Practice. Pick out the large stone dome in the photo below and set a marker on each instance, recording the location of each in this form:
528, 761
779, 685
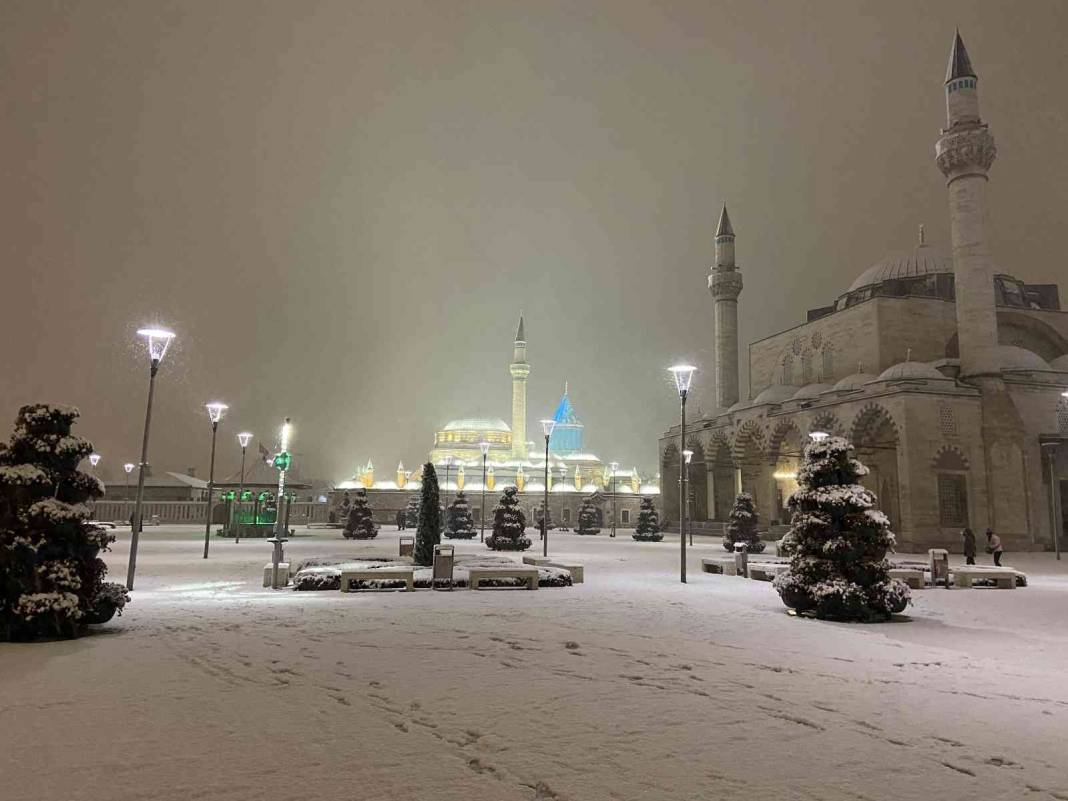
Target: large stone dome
925, 259
1011, 357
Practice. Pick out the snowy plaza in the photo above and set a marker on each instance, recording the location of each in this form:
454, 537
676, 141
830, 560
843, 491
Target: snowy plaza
627, 686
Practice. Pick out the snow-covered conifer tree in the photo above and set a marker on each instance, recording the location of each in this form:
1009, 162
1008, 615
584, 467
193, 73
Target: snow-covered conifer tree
509, 524
51, 575
428, 533
459, 522
742, 525
411, 512
838, 542
587, 518
647, 528
360, 524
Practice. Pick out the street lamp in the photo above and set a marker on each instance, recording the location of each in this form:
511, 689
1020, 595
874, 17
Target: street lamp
612, 487
484, 447
818, 436
683, 374
547, 427
243, 439
128, 467
158, 341
215, 413
1054, 494
94, 459
687, 456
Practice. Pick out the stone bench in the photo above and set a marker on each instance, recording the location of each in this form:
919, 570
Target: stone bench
724, 565
283, 573
913, 577
766, 571
577, 572
476, 575
406, 574
1004, 578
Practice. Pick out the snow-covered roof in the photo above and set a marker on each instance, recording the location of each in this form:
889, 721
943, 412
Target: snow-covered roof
904, 371
477, 424
385, 485
1060, 363
811, 391
1011, 357
854, 381
776, 393
925, 259
649, 489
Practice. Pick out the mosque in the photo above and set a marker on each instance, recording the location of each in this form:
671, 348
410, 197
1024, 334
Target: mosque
512, 459
946, 372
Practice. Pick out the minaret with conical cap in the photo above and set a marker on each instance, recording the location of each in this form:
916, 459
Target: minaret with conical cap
725, 283
519, 370
964, 153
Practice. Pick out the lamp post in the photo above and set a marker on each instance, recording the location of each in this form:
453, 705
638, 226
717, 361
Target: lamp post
612, 488
243, 439
1054, 510
445, 500
215, 413
683, 374
687, 456
484, 447
128, 468
158, 341
547, 427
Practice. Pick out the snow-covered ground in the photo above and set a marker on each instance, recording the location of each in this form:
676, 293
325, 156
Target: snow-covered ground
630, 686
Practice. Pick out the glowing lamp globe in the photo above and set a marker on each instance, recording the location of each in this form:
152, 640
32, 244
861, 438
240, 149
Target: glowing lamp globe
215, 411
244, 438
818, 436
484, 447
158, 340
94, 459
128, 467
683, 374
547, 427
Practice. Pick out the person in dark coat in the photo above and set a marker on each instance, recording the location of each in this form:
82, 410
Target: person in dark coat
400, 520
969, 545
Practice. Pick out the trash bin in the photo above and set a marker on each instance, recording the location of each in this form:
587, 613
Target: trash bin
407, 546
741, 560
938, 562
444, 559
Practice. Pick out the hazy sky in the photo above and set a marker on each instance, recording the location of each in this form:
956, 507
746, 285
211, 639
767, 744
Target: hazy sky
342, 207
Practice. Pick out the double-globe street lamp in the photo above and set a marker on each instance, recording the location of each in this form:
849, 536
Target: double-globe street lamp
484, 447
158, 341
94, 459
614, 466
215, 413
683, 374
547, 427
687, 457
243, 439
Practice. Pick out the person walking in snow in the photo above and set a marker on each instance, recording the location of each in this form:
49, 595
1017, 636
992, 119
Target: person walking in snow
993, 545
969, 545
400, 520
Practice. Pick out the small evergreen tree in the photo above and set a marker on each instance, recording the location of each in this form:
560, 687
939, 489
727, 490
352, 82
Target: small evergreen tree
742, 525
588, 519
360, 524
411, 512
648, 526
51, 575
838, 542
509, 524
460, 524
428, 533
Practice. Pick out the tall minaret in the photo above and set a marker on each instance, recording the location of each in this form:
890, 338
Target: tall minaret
519, 370
964, 154
725, 283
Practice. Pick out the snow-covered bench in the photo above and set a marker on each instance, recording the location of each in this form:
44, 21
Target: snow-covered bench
476, 575
405, 574
724, 565
1004, 578
911, 576
283, 573
766, 571
576, 571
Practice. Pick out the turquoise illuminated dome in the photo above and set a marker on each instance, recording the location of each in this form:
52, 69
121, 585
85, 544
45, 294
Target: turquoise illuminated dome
567, 435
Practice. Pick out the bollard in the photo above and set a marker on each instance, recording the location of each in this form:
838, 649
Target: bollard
276, 558
741, 560
444, 559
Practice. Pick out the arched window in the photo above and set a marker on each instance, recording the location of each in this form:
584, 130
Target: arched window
787, 369
951, 473
806, 368
828, 363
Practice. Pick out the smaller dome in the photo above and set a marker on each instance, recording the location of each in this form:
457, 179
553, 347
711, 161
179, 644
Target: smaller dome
1011, 357
904, 371
776, 393
811, 391
855, 381
1060, 363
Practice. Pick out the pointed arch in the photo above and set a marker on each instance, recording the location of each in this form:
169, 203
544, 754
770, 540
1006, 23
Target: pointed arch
826, 421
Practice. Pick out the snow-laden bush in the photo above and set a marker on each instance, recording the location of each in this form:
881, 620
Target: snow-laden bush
360, 524
459, 522
742, 526
588, 518
51, 576
647, 529
509, 524
838, 542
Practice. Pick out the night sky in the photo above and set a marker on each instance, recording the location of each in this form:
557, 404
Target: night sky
342, 208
